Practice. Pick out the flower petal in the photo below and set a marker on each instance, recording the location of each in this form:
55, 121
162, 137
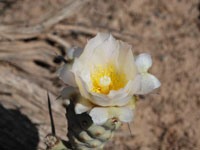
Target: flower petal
143, 62
126, 114
67, 92
105, 53
125, 61
148, 83
74, 52
99, 115
100, 99
122, 96
83, 88
65, 74
82, 105
115, 97
93, 43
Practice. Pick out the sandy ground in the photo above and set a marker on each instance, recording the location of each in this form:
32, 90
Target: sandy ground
169, 31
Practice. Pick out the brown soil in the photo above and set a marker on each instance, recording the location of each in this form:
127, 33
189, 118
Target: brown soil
168, 30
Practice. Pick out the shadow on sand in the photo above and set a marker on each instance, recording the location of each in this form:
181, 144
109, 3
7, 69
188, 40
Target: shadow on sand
17, 132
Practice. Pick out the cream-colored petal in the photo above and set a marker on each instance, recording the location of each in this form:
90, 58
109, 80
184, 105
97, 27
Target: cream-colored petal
114, 98
94, 52
100, 99
105, 100
118, 97
122, 96
66, 75
125, 61
148, 83
82, 70
93, 43
143, 62
106, 52
83, 88
99, 115
67, 92
83, 105
74, 52
126, 114
77, 66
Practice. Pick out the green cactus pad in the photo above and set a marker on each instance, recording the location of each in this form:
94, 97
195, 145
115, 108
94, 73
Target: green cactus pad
84, 134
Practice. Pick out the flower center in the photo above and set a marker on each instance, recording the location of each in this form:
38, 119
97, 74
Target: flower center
106, 78
105, 81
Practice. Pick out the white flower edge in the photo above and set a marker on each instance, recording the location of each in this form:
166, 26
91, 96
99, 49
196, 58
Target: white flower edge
148, 82
66, 75
74, 52
67, 92
65, 72
143, 62
100, 115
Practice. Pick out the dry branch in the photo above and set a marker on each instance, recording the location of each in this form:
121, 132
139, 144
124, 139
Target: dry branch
94, 30
14, 32
58, 40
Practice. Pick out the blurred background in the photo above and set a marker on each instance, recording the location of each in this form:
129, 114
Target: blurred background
33, 32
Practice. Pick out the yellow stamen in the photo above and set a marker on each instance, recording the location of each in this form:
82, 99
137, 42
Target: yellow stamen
106, 78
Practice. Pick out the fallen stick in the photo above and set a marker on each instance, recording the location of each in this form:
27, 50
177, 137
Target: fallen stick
15, 32
94, 30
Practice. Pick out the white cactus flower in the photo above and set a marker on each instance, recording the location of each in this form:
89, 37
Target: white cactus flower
107, 77
148, 81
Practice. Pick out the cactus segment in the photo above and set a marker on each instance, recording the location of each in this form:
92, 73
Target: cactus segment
54, 143
84, 134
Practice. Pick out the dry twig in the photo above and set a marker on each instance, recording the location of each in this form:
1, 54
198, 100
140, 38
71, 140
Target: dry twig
14, 32
94, 30
58, 40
